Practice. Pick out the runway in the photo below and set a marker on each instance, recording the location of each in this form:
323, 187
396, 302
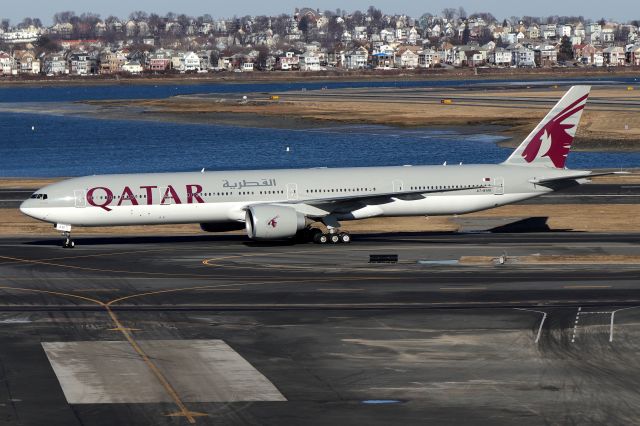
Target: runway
220, 330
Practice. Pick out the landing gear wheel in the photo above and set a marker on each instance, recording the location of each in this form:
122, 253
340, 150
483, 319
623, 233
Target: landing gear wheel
345, 238
68, 243
334, 238
320, 238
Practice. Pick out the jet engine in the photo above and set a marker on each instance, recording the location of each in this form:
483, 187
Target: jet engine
269, 222
221, 226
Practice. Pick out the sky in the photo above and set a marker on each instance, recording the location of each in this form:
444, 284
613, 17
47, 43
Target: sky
44, 9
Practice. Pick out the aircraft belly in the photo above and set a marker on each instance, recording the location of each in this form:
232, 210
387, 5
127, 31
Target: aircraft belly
434, 205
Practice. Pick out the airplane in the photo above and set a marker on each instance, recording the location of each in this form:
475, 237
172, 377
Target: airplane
282, 204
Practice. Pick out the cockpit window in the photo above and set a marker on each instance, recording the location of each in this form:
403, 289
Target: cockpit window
39, 197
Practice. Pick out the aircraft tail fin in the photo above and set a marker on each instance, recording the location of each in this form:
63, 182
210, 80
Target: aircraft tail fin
549, 143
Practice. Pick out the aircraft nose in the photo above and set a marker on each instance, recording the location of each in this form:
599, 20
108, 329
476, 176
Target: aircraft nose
26, 208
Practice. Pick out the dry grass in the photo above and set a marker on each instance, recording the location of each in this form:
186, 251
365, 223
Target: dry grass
612, 124
583, 217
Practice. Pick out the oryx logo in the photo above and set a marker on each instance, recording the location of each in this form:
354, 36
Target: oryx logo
273, 222
555, 138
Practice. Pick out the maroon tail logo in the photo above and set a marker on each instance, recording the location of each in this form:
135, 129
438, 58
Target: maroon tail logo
555, 137
273, 222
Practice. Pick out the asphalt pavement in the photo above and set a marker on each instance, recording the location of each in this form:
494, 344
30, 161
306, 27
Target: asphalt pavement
220, 330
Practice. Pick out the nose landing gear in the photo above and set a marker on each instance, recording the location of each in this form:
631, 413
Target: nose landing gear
68, 242
66, 233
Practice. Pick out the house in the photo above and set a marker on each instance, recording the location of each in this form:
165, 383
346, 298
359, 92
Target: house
545, 56
407, 58
26, 62
598, 58
309, 61
357, 58
159, 61
563, 30
500, 57
632, 54
428, 58
111, 62
55, 64
289, 61
614, 56
81, 63
522, 56
608, 35
7, 64
191, 62
132, 67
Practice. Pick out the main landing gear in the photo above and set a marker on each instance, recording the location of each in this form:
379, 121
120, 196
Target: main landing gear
320, 237
333, 235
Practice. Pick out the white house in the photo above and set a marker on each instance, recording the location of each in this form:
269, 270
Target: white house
356, 59
132, 67
428, 58
191, 61
500, 57
407, 59
309, 61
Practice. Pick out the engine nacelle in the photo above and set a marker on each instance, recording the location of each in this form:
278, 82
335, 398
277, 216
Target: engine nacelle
221, 226
269, 222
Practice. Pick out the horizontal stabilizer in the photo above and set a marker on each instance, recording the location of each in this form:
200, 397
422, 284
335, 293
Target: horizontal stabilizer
577, 175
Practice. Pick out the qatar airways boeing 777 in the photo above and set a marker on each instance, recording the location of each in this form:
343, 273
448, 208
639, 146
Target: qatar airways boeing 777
279, 204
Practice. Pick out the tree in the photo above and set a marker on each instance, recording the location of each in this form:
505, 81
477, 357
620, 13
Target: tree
303, 25
5, 24
565, 53
138, 15
448, 13
45, 44
263, 55
63, 17
466, 33
462, 14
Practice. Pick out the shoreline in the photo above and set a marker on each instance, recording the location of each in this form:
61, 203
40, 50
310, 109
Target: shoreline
611, 123
536, 74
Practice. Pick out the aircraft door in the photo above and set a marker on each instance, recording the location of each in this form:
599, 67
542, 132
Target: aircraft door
292, 191
498, 186
80, 198
398, 186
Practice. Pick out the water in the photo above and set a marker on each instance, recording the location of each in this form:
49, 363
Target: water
41, 145
160, 91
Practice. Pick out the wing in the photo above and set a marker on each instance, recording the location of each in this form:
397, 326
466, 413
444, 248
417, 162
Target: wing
579, 175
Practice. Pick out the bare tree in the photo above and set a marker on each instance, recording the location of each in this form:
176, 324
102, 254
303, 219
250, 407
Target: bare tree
63, 17
448, 13
462, 14
5, 24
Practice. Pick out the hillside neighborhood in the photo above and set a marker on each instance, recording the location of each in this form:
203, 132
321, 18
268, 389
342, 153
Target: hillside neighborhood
309, 40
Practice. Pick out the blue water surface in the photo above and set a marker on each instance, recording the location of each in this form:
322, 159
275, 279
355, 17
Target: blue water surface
76, 146
43, 145
48, 93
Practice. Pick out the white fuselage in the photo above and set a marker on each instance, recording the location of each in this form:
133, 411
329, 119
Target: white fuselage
345, 194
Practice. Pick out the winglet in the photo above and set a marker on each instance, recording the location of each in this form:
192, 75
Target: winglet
549, 143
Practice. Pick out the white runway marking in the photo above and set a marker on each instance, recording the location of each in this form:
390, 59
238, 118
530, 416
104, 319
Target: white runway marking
110, 372
544, 317
575, 325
